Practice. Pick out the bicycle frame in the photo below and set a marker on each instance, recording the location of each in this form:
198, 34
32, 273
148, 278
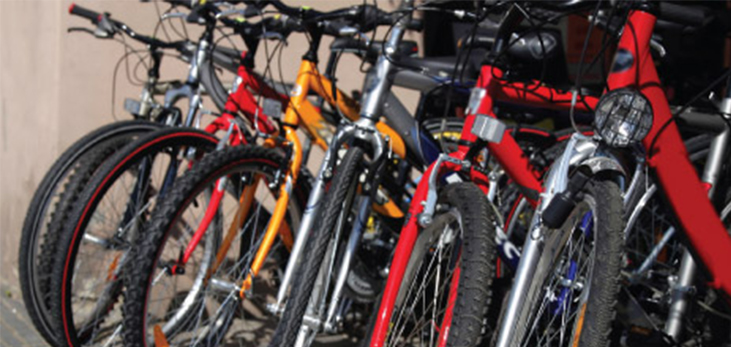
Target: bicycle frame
241, 99
668, 158
490, 89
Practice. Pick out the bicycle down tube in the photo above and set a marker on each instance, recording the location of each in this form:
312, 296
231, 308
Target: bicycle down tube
667, 156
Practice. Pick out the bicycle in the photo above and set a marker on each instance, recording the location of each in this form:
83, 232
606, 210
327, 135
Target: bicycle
481, 130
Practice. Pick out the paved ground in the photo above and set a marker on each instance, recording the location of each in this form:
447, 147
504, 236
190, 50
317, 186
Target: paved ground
16, 328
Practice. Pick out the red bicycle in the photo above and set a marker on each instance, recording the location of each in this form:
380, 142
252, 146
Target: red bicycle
422, 255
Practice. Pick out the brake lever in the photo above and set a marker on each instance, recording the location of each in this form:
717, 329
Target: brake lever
105, 28
228, 13
81, 29
170, 15
98, 33
348, 31
352, 31
658, 47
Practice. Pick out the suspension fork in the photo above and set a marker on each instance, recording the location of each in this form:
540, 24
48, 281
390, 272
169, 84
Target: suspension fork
364, 211
303, 233
364, 130
245, 202
280, 210
331, 320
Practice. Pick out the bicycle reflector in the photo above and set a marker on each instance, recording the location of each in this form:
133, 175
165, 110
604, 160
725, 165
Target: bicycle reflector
623, 117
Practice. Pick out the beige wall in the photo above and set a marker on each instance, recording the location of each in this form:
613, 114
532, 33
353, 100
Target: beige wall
55, 87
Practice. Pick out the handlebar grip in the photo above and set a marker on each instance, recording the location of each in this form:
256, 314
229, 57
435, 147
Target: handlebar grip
415, 24
333, 28
77, 10
682, 14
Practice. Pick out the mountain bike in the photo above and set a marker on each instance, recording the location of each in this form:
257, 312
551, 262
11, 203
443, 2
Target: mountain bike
453, 313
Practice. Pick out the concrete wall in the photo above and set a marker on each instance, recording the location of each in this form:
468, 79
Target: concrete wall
57, 86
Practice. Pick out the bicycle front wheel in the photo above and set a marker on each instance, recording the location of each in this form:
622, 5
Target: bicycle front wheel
336, 209
446, 289
572, 298
110, 213
49, 206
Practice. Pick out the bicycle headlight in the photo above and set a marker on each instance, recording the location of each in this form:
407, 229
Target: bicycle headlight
623, 117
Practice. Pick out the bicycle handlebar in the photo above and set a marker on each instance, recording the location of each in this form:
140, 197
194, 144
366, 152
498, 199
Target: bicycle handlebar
368, 15
111, 26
